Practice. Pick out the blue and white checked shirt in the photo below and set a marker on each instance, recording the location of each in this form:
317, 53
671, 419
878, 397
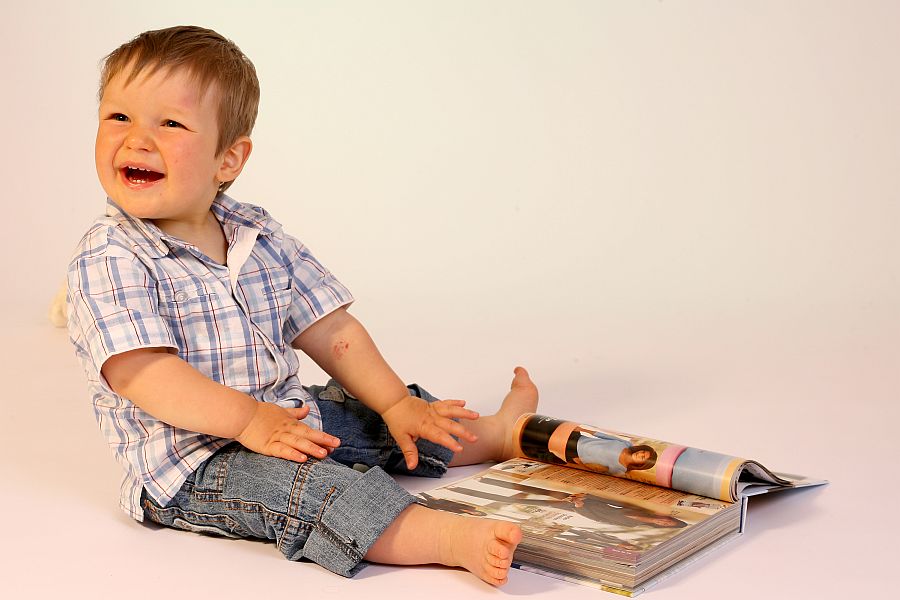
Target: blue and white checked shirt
133, 286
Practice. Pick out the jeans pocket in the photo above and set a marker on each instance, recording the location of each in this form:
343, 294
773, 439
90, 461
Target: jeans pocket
209, 479
219, 525
198, 521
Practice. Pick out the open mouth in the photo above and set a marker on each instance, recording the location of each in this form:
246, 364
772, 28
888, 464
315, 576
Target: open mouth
137, 176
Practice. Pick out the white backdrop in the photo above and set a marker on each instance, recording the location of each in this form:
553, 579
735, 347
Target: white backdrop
681, 216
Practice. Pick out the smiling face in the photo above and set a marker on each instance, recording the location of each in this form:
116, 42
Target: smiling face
156, 147
640, 457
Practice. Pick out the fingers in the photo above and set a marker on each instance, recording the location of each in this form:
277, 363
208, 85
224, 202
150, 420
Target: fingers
443, 431
321, 438
308, 441
444, 439
279, 450
453, 409
413, 418
446, 411
298, 413
410, 452
276, 431
298, 448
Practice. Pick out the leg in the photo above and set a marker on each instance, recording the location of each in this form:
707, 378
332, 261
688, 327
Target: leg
495, 431
332, 515
420, 535
365, 439
316, 510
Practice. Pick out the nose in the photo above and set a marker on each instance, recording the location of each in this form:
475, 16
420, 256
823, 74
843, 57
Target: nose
139, 138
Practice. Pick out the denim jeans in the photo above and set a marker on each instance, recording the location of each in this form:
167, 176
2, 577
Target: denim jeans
329, 511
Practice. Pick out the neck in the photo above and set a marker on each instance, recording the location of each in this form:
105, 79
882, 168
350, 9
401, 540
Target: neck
205, 233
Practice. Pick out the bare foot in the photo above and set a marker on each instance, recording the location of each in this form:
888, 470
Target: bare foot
522, 398
483, 547
494, 432
420, 536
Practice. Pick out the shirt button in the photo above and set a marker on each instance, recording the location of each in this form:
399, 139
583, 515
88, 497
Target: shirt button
181, 296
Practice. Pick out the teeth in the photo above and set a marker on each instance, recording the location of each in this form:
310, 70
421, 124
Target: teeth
133, 176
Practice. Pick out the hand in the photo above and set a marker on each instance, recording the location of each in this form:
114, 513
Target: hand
277, 431
412, 418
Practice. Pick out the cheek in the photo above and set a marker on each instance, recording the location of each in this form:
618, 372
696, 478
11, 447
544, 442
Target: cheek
182, 155
105, 146
103, 159
100, 150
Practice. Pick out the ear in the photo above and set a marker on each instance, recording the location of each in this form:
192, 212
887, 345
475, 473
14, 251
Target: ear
234, 158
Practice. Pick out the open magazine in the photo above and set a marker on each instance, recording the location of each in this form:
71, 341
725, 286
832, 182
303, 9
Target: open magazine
607, 509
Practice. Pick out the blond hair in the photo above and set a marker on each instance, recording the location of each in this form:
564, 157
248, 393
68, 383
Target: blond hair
210, 58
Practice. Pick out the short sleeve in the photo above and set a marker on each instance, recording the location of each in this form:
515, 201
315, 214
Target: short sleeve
316, 292
113, 305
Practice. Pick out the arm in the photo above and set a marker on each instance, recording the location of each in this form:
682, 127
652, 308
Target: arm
343, 348
171, 390
560, 438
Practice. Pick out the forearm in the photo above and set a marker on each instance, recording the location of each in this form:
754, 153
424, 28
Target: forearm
343, 348
171, 390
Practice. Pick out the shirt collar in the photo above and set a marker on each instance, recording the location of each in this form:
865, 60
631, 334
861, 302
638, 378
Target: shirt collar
230, 211
227, 210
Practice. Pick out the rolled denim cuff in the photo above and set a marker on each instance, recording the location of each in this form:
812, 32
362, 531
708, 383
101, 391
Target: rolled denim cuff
349, 524
433, 460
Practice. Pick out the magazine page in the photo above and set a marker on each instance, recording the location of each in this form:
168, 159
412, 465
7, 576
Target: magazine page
642, 459
575, 511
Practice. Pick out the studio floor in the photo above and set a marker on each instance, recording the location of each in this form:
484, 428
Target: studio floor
65, 537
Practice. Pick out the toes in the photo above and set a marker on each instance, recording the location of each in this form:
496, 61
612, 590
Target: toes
499, 561
508, 533
496, 576
520, 377
522, 381
499, 555
499, 550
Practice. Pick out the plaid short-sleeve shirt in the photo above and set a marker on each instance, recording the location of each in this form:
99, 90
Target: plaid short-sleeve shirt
133, 286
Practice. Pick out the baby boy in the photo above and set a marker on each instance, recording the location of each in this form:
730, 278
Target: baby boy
186, 308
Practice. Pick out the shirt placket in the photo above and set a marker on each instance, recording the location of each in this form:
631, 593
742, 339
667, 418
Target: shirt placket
239, 250
226, 277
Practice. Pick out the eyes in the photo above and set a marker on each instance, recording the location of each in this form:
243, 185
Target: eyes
122, 118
